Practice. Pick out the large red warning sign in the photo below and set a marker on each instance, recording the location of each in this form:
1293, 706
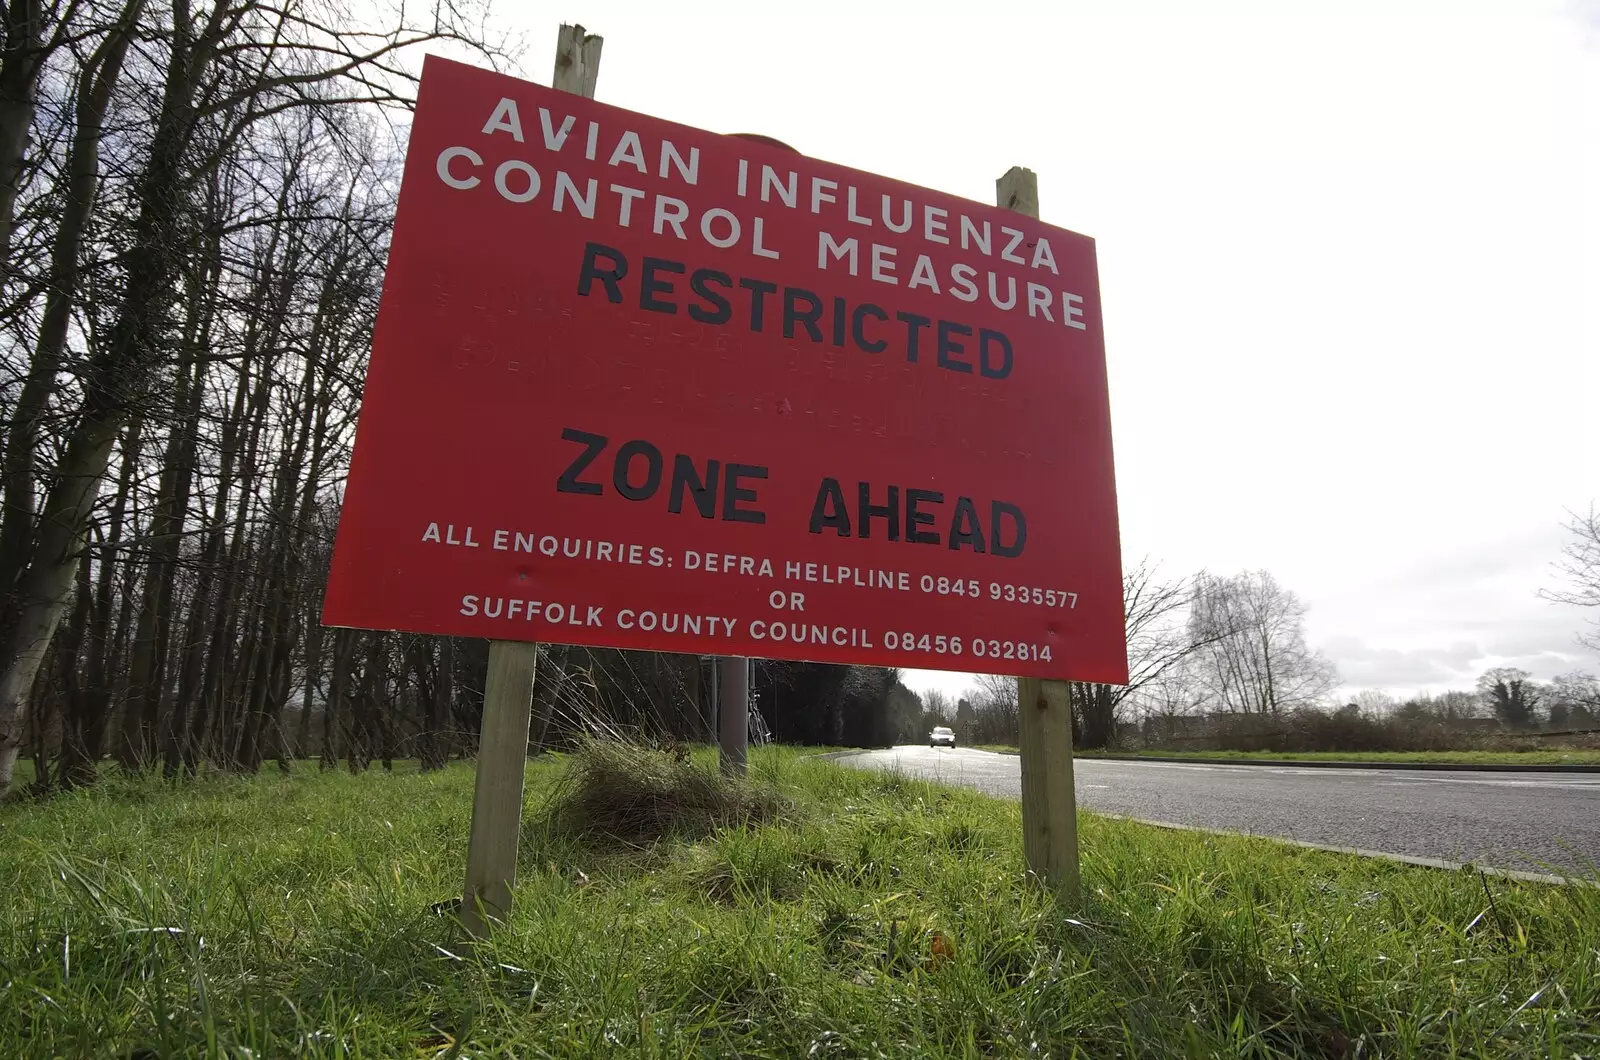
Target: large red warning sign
638, 385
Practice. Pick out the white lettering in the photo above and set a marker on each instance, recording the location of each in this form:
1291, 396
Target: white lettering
922, 274
826, 246
850, 208
554, 138
625, 210
505, 119
565, 189
1043, 254
516, 165
1039, 298
970, 230
1006, 253
629, 150
883, 263
905, 216
755, 247
1011, 288
820, 189
961, 285
1072, 311
718, 213
670, 211
690, 171
787, 192
449, 155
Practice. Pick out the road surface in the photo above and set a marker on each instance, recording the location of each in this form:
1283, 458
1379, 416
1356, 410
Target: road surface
1530, 822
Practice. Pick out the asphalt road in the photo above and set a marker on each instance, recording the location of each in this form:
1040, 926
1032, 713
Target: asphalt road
1530, 822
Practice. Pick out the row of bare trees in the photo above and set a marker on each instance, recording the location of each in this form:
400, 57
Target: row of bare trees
195, 198
1227, 644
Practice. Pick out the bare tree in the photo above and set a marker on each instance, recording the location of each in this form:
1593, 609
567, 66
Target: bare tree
1255, 658
1159, 640
1579, 567
993, 703
164, 197
1175, 692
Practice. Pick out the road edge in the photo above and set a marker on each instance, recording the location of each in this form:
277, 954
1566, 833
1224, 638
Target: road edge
1330, 848
1280, 763
1417, 860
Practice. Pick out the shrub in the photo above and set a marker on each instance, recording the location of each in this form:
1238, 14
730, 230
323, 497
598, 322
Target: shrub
635, 793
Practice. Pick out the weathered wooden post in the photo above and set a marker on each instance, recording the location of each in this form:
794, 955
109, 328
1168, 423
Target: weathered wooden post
508, 689
733, 717
1044, 707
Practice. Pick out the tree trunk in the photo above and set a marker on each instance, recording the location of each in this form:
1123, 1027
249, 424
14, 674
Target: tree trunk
313, 671
116, 379
140, 720
344, 644
26, 427
20, 62
84, 727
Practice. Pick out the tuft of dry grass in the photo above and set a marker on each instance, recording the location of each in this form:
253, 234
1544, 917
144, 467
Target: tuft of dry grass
624, 792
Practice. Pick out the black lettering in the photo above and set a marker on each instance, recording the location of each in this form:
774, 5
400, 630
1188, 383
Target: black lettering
650, 285
838, 322
722, 310
686, 477
758, 289
948, 348
986, 338
829, 495
859, 332
965, 528
792, 316
869, 511
733, 493
997, 509
591, 272
619, 471
915, 518
593, 446
913, 325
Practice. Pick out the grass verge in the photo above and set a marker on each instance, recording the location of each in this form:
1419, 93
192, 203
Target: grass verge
871, 915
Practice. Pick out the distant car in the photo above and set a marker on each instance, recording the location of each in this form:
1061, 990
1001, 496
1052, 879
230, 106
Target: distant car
942, 735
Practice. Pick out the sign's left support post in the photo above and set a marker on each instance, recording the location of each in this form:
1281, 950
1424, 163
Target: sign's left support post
497, 796
508, 690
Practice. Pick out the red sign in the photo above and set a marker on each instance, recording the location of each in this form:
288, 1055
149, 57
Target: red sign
637, 385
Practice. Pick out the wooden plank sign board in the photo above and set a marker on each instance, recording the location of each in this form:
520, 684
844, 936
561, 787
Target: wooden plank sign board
639, 385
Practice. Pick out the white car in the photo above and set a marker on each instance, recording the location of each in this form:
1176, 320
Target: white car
941, 735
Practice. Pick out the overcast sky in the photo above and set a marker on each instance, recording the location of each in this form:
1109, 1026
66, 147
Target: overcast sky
1350, 257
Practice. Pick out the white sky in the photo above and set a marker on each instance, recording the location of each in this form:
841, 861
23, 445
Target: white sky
1350, 259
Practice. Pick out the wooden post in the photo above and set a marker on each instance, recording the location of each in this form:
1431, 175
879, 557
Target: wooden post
1044, 708
733, 713
577, 61
508, 690
497, 796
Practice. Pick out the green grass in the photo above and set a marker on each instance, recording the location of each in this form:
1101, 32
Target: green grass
294, 916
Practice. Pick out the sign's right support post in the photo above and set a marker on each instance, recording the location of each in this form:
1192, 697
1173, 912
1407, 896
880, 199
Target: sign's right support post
733, 713
1044, 707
